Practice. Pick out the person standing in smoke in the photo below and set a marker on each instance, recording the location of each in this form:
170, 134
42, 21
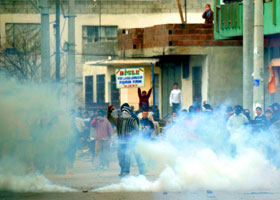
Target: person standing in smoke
237, 120
144, 97
103, 133
175, 98
146, 125
260, 120
269, 118
127, 127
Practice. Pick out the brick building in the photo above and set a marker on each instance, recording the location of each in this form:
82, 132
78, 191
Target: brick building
206, 69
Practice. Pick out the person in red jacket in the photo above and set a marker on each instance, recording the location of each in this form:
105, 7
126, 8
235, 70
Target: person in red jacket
102, 136
144, 97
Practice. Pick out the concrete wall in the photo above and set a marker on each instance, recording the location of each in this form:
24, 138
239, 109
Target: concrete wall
225, 75
221, 71
187, 84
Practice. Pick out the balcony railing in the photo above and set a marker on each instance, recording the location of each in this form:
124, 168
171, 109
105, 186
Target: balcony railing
229, 19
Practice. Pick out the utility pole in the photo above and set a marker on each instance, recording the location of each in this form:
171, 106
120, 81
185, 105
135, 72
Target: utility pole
45, 41
258, 55
248, 53
57, 41
185, 11
71, 68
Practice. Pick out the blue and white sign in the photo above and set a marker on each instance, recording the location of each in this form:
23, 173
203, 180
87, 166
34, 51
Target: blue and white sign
257, 82
130, 77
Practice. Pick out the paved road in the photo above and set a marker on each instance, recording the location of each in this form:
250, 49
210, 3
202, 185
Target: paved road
84, 178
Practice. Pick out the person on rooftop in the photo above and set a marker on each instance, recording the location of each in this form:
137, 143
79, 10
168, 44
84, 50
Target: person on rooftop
208, 14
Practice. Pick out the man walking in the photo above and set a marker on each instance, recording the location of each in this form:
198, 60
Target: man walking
127, 127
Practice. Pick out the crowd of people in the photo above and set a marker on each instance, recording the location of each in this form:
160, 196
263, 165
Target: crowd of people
96, 131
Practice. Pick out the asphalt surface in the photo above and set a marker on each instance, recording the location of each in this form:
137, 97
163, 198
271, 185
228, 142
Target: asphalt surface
84, 178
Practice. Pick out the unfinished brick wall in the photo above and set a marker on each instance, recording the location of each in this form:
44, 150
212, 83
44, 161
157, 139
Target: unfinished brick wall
171, 35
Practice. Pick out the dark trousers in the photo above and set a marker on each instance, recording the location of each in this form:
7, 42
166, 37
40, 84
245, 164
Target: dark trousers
125, 151
175, 107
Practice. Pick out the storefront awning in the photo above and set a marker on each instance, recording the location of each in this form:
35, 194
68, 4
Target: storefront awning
123, 62
274, 68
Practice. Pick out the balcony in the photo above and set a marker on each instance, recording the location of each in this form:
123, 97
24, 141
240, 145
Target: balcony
229, 19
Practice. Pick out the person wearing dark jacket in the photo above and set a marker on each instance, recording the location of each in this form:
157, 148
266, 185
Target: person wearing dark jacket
260, 120
144, 97
208, 14
127, 127
146, 125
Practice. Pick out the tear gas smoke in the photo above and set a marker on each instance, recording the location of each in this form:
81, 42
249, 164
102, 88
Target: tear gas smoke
35, 134
199, 154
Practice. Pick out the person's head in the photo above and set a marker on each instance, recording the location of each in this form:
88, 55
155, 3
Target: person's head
276, 107
258, 111
268, 114
145, 114
246, 111
270, 108
191, 109
174, 115
156, 108
101, 113
207, 108
144, 93
229, 110
207, 7
175, 85
132, 108
86, 114
125, 109
184, 112
197, 108
238, 109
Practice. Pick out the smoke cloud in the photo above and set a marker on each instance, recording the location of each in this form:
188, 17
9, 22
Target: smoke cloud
199, 154
35, 132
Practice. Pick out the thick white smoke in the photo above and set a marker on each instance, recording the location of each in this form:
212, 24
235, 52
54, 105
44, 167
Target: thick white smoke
35, 128
198, 154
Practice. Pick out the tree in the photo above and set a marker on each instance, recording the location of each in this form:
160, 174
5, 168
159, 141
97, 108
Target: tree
20, 55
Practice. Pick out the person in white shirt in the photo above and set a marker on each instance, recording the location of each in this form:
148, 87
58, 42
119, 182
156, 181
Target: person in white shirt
175, 98
238, 120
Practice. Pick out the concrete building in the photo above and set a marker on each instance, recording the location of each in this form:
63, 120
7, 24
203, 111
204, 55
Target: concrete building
206, 69
97, 23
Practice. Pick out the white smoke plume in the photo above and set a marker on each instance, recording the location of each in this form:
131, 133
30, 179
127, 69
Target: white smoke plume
35, 127
198, 154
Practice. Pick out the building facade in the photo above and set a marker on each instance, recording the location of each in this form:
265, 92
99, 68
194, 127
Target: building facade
96, 27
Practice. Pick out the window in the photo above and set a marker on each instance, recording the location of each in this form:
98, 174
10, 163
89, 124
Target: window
197, 73
100, 88
115, 95
156, 76
27, 35
89, 89
93, 34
